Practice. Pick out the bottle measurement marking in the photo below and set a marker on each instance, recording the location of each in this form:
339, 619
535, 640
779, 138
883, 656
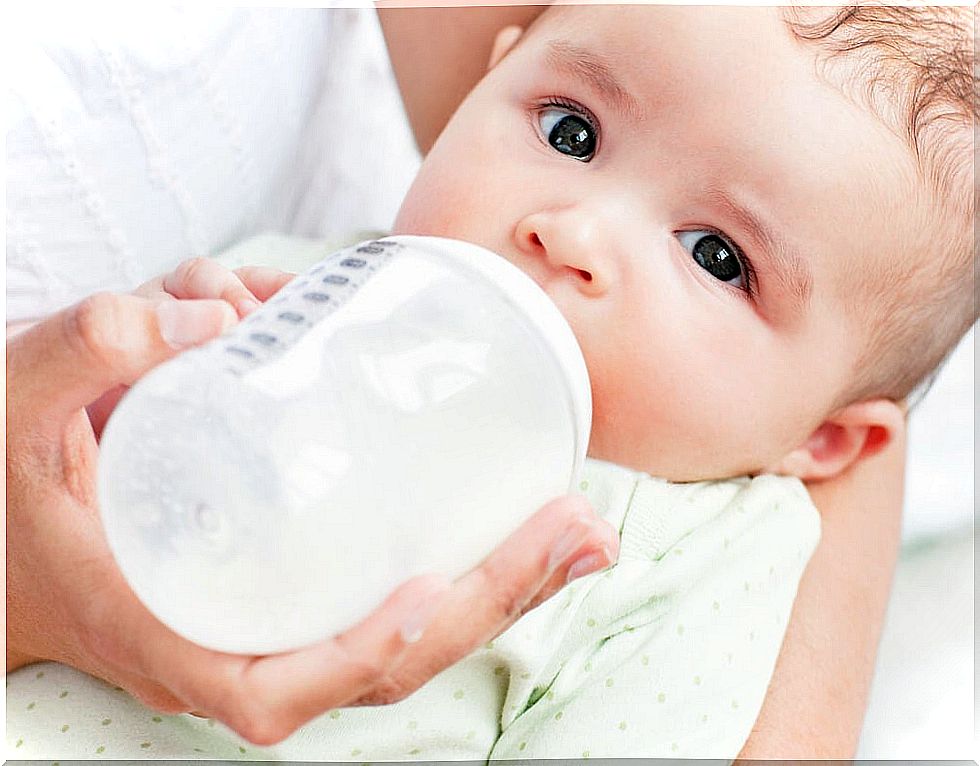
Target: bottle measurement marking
263, 338
303, 303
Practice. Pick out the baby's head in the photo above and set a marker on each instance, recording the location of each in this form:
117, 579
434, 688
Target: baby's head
758, 223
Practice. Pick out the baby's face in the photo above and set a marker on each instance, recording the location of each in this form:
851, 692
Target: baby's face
699, 205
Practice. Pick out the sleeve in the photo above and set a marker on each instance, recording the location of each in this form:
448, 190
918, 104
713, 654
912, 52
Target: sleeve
669, 653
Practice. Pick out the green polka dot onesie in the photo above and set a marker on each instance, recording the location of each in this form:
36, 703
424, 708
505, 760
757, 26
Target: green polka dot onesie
666, 654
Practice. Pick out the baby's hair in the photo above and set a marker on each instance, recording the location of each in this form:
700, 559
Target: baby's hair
914, 68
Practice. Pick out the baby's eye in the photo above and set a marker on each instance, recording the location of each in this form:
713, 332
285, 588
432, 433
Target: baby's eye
568, 132
713, 253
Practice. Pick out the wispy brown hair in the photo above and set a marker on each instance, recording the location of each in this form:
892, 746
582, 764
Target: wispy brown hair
915, 67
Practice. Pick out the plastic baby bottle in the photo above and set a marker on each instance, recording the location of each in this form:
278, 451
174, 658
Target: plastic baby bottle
398, 409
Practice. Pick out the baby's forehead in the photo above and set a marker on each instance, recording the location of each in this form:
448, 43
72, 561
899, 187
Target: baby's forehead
585, 21
644, 38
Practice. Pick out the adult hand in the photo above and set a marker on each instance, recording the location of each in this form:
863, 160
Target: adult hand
199, 278
67, 600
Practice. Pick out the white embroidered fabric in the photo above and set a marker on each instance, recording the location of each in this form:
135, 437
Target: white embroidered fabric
139, 137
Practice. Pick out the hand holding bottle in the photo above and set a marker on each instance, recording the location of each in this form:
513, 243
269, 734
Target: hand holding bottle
68, 602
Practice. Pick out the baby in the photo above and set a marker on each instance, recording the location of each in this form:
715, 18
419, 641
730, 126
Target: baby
759, 225
748, 232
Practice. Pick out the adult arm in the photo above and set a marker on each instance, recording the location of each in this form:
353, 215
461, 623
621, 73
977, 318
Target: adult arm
816, 701
435, 69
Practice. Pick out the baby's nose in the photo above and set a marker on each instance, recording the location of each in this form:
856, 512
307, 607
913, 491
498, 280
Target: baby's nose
572, 249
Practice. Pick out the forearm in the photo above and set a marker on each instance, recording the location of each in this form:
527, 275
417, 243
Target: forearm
435, 69
816, 702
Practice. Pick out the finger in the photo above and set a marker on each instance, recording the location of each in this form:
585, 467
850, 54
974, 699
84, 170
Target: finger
488, 599
100, 410
74, 357
199, 278
128, 646
264, 699
304, 684
262, 281
152, 288
104, 660
596, 554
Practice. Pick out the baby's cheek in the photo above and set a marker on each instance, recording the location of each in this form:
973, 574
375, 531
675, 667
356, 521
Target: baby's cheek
420, 213
664, 423
433, 209
627, 415
450, 194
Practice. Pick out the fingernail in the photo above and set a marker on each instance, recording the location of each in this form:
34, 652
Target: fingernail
588, 564
247, 306
186, 323
428, 607
566, 545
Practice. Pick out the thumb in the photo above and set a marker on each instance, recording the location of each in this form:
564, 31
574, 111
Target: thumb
77, 355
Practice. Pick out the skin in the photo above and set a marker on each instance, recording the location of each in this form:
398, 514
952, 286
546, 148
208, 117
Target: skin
68, 602
152, 669
692, 377
818, 694
816, 700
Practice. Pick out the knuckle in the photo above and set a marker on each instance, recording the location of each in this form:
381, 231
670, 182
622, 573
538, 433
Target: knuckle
95, 326
258, 725
508, 604
367, 670
191, 269
364, 668
387, 692
507, 599
249, 708
190, 277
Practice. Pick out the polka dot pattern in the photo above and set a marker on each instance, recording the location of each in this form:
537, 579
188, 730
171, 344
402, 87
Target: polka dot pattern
667, 654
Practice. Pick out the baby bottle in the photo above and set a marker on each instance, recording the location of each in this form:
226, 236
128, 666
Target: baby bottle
398, 409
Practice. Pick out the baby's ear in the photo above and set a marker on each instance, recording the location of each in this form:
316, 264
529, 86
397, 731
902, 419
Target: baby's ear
851, 434
504, 41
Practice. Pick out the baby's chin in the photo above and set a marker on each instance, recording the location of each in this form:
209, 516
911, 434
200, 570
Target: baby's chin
680, 474
670, 464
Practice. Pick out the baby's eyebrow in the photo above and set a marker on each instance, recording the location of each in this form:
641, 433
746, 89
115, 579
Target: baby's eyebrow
788, 268
577, 61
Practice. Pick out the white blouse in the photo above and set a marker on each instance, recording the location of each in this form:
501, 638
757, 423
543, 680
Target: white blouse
139, 137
